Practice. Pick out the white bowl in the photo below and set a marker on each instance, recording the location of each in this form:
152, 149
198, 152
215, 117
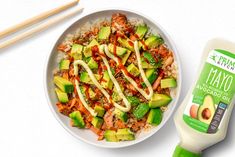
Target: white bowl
51, 63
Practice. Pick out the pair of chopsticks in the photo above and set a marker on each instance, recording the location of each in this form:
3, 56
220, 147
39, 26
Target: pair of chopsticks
35, 20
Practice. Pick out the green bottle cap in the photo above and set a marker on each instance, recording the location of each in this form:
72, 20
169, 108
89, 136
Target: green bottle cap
181, 152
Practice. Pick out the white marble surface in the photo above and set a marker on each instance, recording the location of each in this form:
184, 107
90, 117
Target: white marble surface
28, 128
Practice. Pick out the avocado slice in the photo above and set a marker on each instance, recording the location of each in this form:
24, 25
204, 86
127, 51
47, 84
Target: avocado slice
87, 50
97, 122
151, 75
62, 96
149, 58
154, 41
155, 116
141, 31
168, 83
106, 81
133, 70
92, 63
125, 134
99, 110
146, 65
148, 62
125, 57
141, 110
206, 110
133, 100
121, 115
64, 64
119, 50
92, 94
110, 136
64, 84
104, 33
85, 78
159, 100
115, 95
77, 119
76, 51
127, 43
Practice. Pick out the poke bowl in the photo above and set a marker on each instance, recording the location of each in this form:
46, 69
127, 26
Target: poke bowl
113, 78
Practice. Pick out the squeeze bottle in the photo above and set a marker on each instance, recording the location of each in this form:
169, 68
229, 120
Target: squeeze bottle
202, 118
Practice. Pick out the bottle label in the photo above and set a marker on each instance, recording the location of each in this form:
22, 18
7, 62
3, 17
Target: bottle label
213, 92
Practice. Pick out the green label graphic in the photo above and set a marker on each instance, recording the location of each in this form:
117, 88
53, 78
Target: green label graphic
213, 92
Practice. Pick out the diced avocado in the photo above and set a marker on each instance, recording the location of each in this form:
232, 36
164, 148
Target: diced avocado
127, 43
134, 101
133, 70
110, 136
76, 51
125, 57
159, 100
141, 110
91, 93
112, 70
119, 50
87, 50
146, 65
151, 75
85, 78
77, 119
99, 110
64, 64
121, 115
154, 41
93, 43
150, 59
97, 122
92, 63
62, 96
141, 31
125, 134
64, 84
106, 81
104, 33
168, 83
115, 95
155, 116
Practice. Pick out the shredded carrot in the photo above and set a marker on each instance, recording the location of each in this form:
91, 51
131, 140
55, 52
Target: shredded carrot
95, 130
120, 125
65, 75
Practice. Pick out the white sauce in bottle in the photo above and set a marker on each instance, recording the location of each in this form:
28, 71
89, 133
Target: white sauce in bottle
203, 117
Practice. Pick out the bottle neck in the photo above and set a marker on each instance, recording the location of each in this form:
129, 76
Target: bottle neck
182, 152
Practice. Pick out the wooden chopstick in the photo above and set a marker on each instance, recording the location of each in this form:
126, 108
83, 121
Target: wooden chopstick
39, 28
36, 19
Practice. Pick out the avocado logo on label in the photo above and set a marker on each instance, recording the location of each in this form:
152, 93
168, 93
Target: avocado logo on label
221, 60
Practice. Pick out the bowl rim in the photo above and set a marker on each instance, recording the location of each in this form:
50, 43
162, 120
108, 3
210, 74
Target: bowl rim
179, 81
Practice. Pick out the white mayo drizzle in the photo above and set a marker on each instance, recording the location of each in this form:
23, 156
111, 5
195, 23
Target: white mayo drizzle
147, 96
118, 88
98, 85
92, 112
142, 74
